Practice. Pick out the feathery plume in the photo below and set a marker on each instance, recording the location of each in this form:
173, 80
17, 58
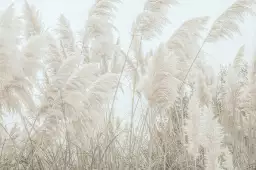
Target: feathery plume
65, 34
226, 25
32, 20
151, 21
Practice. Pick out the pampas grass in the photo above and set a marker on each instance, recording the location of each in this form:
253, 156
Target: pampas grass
62, 90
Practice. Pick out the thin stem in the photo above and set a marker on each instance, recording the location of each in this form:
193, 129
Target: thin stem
133, 110
119, 79
194, 60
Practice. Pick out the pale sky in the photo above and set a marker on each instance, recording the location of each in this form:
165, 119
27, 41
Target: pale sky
76, 11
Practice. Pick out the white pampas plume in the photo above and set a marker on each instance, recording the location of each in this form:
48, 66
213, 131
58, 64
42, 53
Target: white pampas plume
100, 20
53, 58
203, 90
33, 50
211, 138
183, 44
150, 24
32, 20
97, 97
226, 25
152, 20
182, 40
193, 125
101, 48
7, 16
228, 163
239, 59
160, 85
99, 90
65, 35
104, 9
160, 6
117, 59
65, 70
14, 91
83, 77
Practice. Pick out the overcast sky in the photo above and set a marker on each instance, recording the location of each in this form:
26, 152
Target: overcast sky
76, 12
